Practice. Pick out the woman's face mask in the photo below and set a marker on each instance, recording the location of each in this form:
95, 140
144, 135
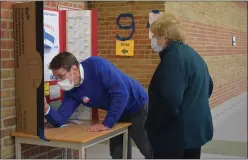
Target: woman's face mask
155, 46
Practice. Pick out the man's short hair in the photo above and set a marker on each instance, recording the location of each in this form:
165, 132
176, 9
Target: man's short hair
63, 60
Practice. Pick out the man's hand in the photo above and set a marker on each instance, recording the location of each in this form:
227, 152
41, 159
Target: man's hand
45, 105
98, 128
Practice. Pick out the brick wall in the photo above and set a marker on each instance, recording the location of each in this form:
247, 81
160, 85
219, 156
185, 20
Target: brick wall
142, 65
8, 112
209, 27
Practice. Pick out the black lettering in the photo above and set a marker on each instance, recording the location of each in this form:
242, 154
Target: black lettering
125, 44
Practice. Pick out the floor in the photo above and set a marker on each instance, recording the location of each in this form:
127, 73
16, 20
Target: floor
230, 137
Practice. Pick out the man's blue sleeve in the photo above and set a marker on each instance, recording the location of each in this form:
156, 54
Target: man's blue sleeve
117, 90
59, 117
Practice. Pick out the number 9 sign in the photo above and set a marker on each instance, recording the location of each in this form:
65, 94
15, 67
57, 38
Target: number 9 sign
131, 26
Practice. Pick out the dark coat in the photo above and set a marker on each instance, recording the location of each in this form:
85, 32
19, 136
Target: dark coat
179, 115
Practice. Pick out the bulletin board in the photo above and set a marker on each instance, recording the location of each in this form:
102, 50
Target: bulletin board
81, 40
76, 33
54, 37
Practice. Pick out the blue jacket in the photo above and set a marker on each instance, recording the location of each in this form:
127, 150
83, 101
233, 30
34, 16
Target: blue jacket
105, 87
179, 115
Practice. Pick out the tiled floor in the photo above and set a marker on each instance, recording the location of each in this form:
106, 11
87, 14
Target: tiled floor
230, 137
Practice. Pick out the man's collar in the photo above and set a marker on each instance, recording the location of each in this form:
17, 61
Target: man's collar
81, 70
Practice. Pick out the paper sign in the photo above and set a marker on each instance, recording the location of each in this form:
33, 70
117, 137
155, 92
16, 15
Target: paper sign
152, 18
61, 7
125, 48
54, 92
51, 40
79, 33
46, 88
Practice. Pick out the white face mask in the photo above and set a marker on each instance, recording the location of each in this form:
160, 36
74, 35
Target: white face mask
66, 85
155, 46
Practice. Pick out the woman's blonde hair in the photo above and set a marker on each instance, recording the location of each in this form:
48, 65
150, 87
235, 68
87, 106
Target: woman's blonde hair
169, 26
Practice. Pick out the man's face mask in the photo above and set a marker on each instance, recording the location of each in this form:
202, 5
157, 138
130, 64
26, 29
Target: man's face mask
66, 84
155, 46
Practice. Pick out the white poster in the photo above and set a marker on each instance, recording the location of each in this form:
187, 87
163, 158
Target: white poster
78, 42
79, 33
51, 40
152, 18
61, 7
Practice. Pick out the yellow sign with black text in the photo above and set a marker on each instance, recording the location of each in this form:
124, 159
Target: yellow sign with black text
46, 88
125, 48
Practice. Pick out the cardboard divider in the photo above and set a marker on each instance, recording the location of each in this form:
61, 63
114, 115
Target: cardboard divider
33, 81
29, 66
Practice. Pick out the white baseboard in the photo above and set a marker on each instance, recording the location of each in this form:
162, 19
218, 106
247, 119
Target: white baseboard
221, 112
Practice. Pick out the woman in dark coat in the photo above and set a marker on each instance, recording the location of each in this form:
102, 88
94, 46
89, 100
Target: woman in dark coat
179, 119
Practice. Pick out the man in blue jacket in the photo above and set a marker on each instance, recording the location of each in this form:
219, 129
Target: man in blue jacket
96, 83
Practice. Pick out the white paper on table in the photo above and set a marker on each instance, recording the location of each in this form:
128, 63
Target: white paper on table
65, 125
75, 121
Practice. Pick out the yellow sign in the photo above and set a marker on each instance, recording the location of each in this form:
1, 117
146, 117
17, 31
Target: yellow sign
125, 48
46, 88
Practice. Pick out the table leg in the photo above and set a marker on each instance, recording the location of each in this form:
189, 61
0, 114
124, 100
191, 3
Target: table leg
64, 154
125, 145
82, 153
129, 146
72, 153
18, 149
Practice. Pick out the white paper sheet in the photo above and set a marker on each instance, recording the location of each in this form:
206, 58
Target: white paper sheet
152, 18
79, 33
54, 91
75, 121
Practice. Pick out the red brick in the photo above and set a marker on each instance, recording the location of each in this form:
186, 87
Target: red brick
7, 5
5, 14
10, 102
11, 34
34, 151
54, 153
5, 34
31, 152
5, 54
26, 146
9, 122
5, 93
6, 24
8, 141
6, 132
8, 83
6, 64
7, 44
